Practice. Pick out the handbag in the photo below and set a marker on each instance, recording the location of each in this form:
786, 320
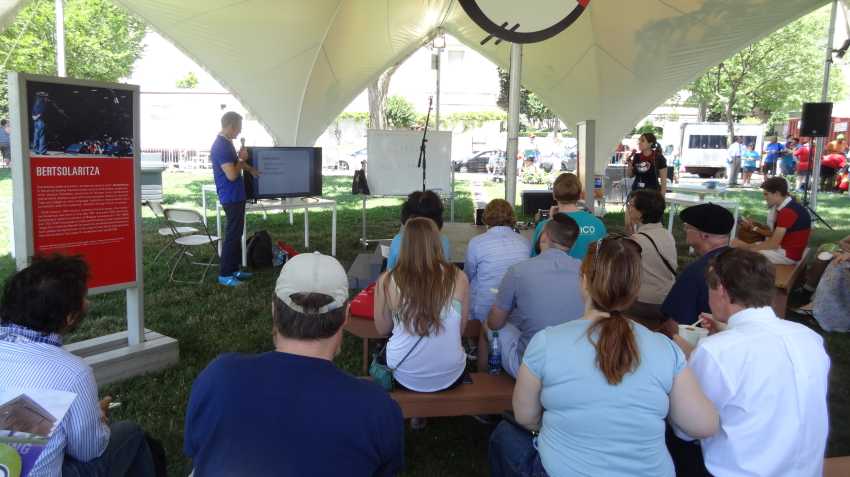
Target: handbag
666, 263
383, 374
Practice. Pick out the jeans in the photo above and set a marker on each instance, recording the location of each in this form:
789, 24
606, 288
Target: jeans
512, 453
126, 454
231, 247
732, 169
39, 137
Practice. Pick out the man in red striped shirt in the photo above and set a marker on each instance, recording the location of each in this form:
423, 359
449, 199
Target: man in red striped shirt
790, 225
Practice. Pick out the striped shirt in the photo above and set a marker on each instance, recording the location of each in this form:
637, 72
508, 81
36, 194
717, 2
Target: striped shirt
32, 360
488, 257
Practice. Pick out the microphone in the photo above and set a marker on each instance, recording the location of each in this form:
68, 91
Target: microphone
242, 141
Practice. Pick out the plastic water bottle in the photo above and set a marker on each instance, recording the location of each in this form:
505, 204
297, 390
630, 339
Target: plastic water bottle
494, 361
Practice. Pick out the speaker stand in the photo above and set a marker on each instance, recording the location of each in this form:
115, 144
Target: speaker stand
806, 189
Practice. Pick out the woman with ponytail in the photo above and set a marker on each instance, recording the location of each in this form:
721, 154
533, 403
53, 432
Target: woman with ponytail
598, 390
648, 165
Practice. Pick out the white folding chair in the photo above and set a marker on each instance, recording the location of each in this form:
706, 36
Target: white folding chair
191, 218
169, 231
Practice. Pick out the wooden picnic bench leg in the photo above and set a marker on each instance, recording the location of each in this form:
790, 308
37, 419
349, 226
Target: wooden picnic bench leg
483, 349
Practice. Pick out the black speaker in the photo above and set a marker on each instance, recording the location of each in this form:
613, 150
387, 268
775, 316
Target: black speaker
816, 119
534, 200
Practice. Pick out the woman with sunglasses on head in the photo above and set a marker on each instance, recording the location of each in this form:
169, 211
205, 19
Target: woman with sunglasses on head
645, 209
598, 390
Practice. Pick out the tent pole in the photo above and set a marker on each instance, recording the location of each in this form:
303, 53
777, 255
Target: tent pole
513, 123
824, 95
60, 39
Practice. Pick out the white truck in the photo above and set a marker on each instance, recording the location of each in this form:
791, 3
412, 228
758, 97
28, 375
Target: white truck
703, 146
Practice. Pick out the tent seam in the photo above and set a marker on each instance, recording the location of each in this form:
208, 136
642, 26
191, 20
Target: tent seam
202, 65
320, 50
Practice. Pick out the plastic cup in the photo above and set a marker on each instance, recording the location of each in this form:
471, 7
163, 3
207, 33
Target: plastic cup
692, 334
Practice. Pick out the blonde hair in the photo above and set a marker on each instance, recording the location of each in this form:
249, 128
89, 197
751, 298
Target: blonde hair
424, 278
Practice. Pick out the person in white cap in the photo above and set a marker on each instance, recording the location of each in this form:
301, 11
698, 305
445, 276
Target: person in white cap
291, 411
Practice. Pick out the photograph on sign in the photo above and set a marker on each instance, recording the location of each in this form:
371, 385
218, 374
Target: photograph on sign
81, 149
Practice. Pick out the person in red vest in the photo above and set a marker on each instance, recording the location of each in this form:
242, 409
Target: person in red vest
830, 165
804, 166
789, 222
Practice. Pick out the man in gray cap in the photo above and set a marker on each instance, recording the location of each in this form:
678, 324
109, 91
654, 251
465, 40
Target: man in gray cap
290, 411
707, 228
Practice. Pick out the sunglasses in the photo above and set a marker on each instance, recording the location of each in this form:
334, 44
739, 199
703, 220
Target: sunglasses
617, 236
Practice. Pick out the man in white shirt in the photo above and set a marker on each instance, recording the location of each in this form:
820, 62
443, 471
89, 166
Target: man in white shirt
735, 151
767, 377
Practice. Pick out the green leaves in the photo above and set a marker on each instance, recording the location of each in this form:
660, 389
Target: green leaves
400, 113
102, 41
770, 77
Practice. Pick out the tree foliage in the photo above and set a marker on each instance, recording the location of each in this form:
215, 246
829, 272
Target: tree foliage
769, 78
102, 41
530, 104
400, 113
190, 81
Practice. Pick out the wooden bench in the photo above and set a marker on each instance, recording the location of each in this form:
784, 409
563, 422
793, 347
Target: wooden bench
365, 330
836, 467
486, 395
787, 277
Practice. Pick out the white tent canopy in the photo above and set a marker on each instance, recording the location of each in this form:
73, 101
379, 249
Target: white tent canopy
296, 64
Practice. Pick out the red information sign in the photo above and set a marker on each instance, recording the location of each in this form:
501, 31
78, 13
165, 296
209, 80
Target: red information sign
84, 205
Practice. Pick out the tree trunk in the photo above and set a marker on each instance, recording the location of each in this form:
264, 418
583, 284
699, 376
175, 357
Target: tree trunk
703, 110
378, 99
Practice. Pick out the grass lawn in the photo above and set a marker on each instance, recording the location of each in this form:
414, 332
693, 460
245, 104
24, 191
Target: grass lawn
209, 320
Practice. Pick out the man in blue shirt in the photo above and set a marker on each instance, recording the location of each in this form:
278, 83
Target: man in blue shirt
707, 228
774, 151
40, 305
539, 292
5, 150
291, 412
227, 168
567, 191
39, 134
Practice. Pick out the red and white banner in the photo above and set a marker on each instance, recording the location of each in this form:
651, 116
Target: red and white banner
84, 205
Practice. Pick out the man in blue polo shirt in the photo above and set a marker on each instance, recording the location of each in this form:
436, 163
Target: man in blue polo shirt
773, 151
227, 168
707, 228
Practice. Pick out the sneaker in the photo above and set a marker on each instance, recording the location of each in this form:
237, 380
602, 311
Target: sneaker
243, 275
418, 423
230, 281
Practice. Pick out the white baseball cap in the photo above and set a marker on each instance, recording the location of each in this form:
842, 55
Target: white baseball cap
313, 273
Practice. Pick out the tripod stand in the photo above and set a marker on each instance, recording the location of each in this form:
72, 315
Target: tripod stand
808, 185
422, 159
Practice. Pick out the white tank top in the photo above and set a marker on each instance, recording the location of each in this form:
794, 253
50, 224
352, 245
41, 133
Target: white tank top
438, 360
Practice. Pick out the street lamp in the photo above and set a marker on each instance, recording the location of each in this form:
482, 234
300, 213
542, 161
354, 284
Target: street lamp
438, 43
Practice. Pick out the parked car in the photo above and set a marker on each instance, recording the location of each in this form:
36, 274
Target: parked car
479, 162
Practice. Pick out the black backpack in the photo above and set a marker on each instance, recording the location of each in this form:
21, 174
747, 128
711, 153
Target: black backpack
260, 250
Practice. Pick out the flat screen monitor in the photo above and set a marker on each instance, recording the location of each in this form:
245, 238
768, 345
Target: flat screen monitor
284, 172
534, 200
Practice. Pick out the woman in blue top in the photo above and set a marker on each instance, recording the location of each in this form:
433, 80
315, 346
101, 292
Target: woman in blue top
490, 254
598, 390
750, 163
419, 204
